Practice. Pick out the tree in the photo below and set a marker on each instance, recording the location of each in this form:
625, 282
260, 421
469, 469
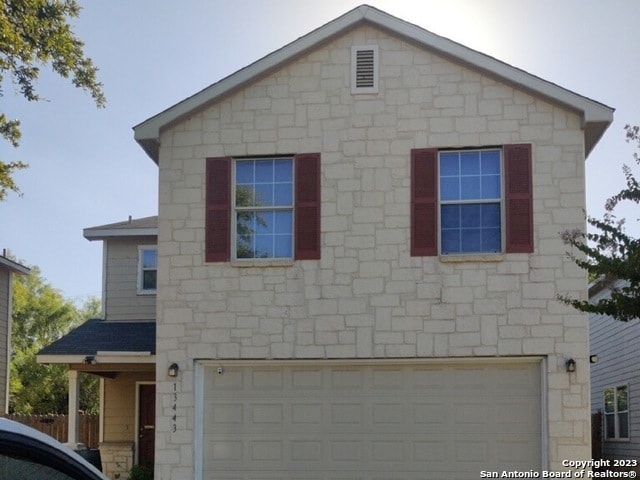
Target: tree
35, 33
41, 315
610, 253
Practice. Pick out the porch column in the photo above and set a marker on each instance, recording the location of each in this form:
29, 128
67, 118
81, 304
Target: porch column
74, 404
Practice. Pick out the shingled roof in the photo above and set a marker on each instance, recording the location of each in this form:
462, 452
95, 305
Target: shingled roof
133, 227
97, 335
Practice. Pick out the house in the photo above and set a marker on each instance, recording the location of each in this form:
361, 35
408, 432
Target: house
119, 346
8, 267
358, 263
615, 379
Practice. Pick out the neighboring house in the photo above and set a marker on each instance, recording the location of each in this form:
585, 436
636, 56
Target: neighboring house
615, 377
7, 269
359, 254
120, 346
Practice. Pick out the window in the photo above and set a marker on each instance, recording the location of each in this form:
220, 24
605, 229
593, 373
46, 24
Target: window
147, 270
475, 201
364, 69
616, 412
264, 208
470, 202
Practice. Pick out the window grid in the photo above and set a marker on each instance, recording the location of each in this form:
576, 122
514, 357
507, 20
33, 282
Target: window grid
147, 270
263, 204
470, 197
616, 412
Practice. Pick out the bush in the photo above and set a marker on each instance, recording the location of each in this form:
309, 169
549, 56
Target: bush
139, 472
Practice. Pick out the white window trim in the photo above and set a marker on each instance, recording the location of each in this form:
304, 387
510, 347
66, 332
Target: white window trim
376, 70
474, 256
616, 413
139, 284
252, 262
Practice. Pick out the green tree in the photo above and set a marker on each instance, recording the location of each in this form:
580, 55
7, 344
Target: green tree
33, 34
42, 315
610, 253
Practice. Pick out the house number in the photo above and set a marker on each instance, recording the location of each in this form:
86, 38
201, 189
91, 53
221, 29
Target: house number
174, 402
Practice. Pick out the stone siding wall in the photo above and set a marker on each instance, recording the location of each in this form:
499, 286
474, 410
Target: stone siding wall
367, 297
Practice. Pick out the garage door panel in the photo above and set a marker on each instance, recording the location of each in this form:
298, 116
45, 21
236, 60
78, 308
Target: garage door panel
223, 413
271, 379
307, 451
435, 415
388, 414
306, 414
346, 379
232, 380
510, 450
306, 379
267, 413
346, 414
388, 379
427, 378
471, 451
374, 422
516, 416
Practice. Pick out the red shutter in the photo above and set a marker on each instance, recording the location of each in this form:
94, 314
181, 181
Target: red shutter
518, 198
307, 206
218, 210
424, 202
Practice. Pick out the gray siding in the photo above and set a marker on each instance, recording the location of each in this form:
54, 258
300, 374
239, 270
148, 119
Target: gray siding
616, 344
122, 301
5, 289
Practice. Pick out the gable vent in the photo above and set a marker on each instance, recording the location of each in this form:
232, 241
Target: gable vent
364, 69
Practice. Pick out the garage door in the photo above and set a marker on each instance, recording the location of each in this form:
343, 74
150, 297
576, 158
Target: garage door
403, 421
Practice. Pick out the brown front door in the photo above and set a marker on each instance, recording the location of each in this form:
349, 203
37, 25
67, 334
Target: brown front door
147, 424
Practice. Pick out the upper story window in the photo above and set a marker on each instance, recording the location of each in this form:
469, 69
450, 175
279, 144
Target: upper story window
616, 412
147, 270
471, 201
263, 209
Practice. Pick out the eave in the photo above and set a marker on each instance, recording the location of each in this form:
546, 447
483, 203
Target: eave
14, 267
141, 227
103, 358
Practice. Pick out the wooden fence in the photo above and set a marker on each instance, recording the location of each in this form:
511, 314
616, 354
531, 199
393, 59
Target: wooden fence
596, 435
56, 426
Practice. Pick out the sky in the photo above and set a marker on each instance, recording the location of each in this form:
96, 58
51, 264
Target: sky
87, 170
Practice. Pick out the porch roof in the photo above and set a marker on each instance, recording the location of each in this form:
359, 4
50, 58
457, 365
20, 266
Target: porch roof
99, 338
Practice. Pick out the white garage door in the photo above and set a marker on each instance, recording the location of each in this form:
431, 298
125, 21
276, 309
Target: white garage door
401, 421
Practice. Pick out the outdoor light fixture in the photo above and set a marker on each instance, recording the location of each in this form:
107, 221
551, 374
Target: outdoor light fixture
593, 358
89, 360
173, 370
571, 365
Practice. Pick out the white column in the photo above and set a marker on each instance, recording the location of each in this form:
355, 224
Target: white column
74, 404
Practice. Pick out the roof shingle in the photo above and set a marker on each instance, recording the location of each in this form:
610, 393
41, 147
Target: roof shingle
97, 335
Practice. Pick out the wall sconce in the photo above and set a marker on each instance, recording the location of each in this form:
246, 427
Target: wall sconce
89, 360
173, 370
593, 359
571, 365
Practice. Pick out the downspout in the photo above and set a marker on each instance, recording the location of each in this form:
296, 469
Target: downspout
9, 325
105, 246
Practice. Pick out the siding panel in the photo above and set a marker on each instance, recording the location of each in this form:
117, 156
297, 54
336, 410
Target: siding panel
616, 343
122, 299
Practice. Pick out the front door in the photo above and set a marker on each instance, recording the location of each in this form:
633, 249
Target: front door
146, 424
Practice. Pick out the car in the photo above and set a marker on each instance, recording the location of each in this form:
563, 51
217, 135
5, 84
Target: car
27, 454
